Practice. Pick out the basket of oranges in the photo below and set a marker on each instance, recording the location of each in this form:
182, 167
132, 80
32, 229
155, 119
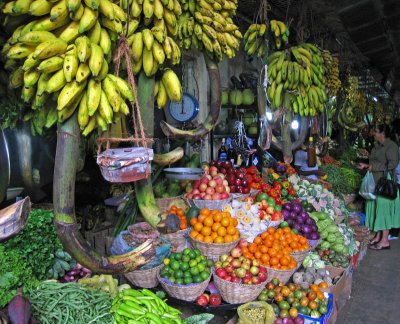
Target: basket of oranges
178, 239
273, 249
214, 232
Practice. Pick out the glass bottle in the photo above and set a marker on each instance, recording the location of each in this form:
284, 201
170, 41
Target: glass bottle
223, 152
311, 154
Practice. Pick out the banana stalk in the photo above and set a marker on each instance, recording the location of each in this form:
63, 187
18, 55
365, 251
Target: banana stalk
68, 139
212, 118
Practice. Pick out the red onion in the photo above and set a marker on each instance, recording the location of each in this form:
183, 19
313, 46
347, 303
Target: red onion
287, 206
299, 320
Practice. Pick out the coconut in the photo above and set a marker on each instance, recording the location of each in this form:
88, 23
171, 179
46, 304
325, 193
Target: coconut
235, 97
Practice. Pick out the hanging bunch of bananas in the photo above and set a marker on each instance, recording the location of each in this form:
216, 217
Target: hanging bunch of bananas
296, 80
153, 44
280, 33
356, 102
61, 59
255, 40
331, 64
208, 25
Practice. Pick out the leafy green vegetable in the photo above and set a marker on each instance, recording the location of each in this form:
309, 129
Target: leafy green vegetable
26, 258
199, 319
343, 180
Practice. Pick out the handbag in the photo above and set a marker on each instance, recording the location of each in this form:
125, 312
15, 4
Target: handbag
367, 188
385, 187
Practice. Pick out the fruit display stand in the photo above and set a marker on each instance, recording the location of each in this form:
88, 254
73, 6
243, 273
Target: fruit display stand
144, 278
213, 250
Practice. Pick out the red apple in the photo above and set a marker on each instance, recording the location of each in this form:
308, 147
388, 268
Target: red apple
196, 197
189, 196
228, 278
221, 272
202, 300
224, 195
216, 196
207, 197
243, 243
202, 195
262, 276
210, 190
215, 300
203, 187
229, 268
196, 184
255, 280
263, 269
220, 189
254, 270
212, 183
246, 281
213, 171
236, 263
270, 210
235, 279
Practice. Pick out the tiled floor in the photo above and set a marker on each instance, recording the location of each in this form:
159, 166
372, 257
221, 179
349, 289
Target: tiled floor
375, 297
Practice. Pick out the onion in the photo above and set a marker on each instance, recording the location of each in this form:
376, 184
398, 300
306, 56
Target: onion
73, 272
288, 320
69, 278
307, 229
299, 320
287, 206
86, 270
278, 321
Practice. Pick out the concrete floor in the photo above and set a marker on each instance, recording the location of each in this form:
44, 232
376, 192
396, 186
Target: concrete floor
375, 297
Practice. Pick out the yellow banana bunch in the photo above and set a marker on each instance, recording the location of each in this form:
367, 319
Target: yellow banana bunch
255, 40
331, 64
296, 79
280, 32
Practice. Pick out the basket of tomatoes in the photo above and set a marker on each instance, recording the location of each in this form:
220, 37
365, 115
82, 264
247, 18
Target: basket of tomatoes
273, 249
214, 232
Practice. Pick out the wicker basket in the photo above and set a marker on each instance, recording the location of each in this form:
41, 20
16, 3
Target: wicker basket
144, 278
282, 275
300, 256
184, 292
313, 243
210, 204
164, 203
237, 293
14, 218
213, 250
177, 239
239, 196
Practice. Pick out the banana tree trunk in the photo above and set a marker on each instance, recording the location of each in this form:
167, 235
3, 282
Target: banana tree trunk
67, 154
143, 188
215, 107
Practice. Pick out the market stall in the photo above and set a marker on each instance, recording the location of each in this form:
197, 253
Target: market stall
221, 152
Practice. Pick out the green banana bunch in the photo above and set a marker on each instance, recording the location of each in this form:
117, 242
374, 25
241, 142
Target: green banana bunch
331, 64
296, 80
207, 25
255, 40
280, 32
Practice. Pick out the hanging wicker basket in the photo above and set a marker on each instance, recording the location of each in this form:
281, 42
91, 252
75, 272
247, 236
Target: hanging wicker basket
13, 218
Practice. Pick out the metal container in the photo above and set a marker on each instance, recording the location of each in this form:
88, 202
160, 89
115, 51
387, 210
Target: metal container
5, 170
183, 173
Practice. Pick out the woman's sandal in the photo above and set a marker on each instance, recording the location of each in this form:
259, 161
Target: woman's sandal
373, 241
379, 247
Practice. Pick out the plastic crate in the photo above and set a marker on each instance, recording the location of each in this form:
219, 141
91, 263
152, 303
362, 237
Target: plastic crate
323, 319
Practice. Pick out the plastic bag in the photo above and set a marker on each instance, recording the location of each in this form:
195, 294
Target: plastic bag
245, 319
367, 189
119, 245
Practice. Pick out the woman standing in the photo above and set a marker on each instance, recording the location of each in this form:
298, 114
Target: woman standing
381, 212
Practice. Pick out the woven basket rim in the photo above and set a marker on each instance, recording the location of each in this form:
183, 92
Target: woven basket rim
189, 286
214, 244
146, 270
238, 284
279, 270
301, 252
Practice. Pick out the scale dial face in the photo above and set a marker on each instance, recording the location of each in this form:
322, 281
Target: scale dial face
185, 110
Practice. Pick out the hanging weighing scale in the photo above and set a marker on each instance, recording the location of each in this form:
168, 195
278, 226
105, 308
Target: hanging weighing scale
185, 110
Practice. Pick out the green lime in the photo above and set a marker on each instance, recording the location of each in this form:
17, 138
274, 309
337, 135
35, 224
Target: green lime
186, 251
187, 274
263, 296
197, 279
163, 273
192, 254
323, 309
177, 256
184, 266
201, 267
186, 258
178, 274
284, 224
200, 258
174, 265
204, 275
179, 281
284, 305
192, 263
167, 268
197, 251
172, 279
271, 293
194, 271
298, 294
210, 263
283, 313
187, 280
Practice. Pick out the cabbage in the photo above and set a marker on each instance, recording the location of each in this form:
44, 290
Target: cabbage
325, 245
331, 238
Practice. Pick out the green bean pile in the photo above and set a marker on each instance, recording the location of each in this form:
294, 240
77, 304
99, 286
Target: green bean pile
60, 303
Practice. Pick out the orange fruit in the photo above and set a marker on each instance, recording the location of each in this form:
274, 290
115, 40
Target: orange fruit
258, 240
208, 239
323, 284
215, 226
198, 226
221, 231
320, 295
208, 221
284, 261
236, 236
206, 231
219, 240
271, 230
265, 259
312, 305
286, 230
231, 230
234, 222
201, 218
257, 255
263, 249
228, 238
193, 233
214, 235
217, 217
314, 288
225, 221
200, 237
193, 221
274, 261
180, 212
205, 211
252, 247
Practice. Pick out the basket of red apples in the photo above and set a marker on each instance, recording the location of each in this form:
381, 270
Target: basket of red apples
211, 191
239, 280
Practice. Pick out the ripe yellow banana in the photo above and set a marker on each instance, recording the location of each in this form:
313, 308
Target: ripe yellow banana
83, 47
20, 51
56, 82
40, 7
137, 46
95, 33
59, 11
93, 94
42, 83
31, 77
106, 8
50, 48
172, 85
105, 109
148, 38
69, 93
70, 33
51, 64
90, 126
77, 14
70, 66
105, 41
162, 97
103, 71
148, 61
88, 20
69, 110
82, 73
73, 5
96, 59
123, 87
158, 52
92, 4
83, 115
